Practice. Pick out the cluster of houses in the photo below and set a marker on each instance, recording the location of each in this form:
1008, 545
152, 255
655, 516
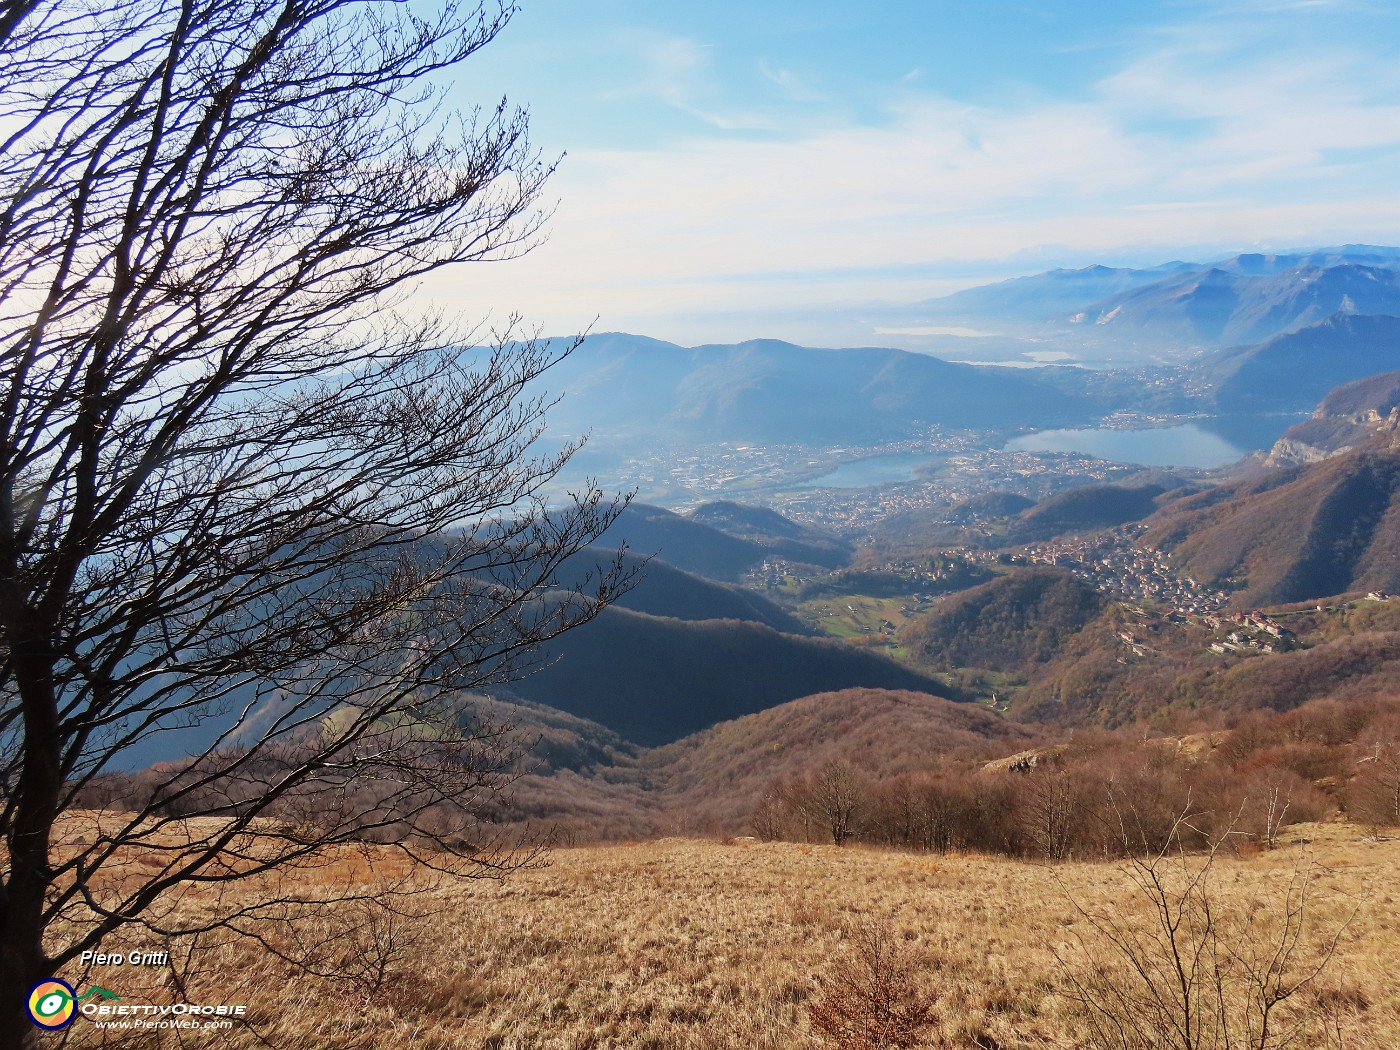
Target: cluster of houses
1249, 631
1110, 562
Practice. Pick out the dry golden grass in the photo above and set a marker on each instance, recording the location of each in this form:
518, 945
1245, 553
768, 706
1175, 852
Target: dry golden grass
698, 944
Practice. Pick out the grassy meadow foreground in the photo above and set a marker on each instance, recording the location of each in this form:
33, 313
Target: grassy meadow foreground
687, 943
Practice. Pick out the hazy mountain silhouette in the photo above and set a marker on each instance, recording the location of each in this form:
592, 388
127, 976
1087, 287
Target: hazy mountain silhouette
1295, 371
771, 391
1245, 299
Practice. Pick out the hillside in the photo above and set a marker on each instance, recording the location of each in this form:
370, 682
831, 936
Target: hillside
1365, 400
1010, 624
775, 534
661, 589
885, 733
1004, 519
1343, 655
711, 781
1347, 416
1295, 371
1086, 507
655, 679
682, 542
989, 505
1295, 534
553, 740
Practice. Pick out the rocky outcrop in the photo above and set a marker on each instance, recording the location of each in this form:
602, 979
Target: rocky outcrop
1348, 417
1288, 452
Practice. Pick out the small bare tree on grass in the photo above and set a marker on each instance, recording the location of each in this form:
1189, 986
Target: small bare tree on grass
376, 935
1186, 971
869, 1000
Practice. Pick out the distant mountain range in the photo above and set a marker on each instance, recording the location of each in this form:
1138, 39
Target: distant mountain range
1218, 307
1257, 334
1179, 306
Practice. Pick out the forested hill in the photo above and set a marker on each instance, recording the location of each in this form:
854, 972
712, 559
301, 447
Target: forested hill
661, 589
1348, 416
998, 519
722, 540
775, 534
1295, 534
655, 679
1008, 624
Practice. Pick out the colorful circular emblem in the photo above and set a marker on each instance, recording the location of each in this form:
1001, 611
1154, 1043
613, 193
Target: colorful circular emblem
52, 1004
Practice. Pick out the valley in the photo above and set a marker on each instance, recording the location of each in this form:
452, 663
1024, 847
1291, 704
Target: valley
632, 526
910, 637
877, 521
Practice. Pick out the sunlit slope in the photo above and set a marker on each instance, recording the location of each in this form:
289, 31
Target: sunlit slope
1296, 534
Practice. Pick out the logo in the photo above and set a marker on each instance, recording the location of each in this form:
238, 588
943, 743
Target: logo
53, 1003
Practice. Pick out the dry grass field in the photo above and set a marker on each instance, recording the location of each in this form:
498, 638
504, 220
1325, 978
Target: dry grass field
703, 944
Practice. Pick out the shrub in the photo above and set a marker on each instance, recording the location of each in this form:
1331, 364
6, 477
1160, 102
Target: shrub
869, 1000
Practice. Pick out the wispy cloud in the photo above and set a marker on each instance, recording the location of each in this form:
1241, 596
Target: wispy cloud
792, 86
678, 72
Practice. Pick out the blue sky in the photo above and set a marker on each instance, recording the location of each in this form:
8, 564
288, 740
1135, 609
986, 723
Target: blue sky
740, 169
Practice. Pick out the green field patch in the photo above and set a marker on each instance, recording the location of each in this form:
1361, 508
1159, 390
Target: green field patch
855, 616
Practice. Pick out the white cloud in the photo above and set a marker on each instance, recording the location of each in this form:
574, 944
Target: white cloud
1192, 143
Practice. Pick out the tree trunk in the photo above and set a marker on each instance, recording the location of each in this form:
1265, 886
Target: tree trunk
22, 894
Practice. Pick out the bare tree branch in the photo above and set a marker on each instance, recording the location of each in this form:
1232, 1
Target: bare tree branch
250, 512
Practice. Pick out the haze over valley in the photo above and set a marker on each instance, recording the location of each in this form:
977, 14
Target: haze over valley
1200, 531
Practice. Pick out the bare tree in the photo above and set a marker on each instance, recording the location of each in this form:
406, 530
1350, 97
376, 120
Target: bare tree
250, 511
1051, 812
832, 797
1190, 972
1375, 790
870, 999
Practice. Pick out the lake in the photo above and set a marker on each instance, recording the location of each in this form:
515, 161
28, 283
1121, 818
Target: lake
1187, 445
